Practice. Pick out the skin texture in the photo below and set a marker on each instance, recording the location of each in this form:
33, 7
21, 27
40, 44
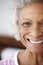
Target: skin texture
31, 27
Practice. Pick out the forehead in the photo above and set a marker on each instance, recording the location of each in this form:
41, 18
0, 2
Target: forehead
32, 10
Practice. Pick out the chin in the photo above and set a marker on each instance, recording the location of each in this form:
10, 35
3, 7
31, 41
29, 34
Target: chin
35, 47
36, 50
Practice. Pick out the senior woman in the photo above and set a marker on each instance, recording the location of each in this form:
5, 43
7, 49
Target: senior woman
31, 34
30, 26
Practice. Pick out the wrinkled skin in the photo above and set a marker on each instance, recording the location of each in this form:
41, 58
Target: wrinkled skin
31, 27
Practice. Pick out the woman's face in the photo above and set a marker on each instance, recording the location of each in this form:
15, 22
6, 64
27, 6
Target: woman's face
31, 27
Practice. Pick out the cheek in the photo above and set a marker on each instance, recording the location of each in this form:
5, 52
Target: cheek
24, 32
23, 35
42, 29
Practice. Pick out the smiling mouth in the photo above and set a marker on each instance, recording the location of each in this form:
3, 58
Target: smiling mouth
35, 42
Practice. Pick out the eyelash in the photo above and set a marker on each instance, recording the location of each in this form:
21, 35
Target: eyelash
41, 24
26, 24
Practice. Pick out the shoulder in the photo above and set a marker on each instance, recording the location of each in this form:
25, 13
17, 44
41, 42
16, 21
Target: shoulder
8, 52
10, 55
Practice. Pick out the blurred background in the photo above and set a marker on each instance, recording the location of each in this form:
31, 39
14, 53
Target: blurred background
7, 18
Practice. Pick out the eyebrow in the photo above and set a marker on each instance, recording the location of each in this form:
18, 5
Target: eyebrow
41, 20
27, 19
31, 20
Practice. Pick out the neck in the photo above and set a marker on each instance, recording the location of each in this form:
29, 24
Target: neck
27, 57
39, 56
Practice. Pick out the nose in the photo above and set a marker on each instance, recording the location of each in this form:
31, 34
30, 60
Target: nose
35, 32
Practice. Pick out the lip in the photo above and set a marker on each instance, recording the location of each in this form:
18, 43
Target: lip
35, 42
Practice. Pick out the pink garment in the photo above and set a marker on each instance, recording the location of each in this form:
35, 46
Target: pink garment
7, 62
10, 61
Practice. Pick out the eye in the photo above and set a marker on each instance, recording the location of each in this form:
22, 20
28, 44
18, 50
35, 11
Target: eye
26, 24
41, 24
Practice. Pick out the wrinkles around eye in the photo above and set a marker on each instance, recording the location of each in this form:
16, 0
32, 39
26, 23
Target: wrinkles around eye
26, 24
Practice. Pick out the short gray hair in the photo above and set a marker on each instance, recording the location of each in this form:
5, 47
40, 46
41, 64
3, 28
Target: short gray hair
18, 4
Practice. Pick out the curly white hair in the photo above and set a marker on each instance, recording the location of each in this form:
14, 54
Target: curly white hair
17, 5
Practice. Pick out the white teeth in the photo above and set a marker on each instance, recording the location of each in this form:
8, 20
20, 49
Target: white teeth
33, 42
